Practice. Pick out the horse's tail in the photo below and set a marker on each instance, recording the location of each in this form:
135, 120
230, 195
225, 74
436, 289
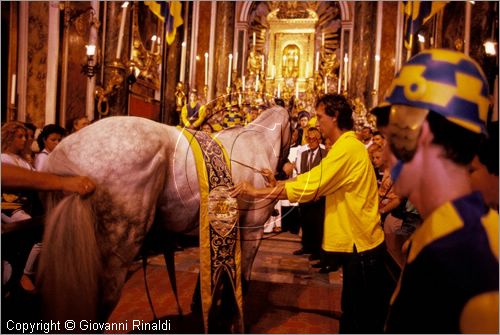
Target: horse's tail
69, 263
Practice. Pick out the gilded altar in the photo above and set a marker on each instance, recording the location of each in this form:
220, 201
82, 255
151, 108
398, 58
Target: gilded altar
291, 50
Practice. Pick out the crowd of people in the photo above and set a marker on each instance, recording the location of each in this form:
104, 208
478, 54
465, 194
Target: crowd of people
216, 115
23, 158
420, 185
449, 281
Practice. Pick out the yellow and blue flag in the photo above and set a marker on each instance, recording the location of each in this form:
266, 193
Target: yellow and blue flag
172, 11
418, 13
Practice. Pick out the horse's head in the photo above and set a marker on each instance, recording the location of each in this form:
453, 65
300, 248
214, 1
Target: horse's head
281, 118
286, 139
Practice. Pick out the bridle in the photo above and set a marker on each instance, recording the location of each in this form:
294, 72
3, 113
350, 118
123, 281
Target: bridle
285, 144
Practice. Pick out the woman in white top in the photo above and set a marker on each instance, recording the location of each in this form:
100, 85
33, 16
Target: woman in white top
48, 139
14, 137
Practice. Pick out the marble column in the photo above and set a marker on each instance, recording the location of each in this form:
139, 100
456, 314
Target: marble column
171, 67
118, 100
389, 47
363, 51
52, 66
224, 44
171, 61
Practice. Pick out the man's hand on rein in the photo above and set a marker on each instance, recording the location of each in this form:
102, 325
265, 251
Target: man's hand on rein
269, 177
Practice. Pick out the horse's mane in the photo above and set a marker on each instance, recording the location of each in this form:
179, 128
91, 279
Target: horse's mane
273, 112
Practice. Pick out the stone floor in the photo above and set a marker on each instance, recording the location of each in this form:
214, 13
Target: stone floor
286, 295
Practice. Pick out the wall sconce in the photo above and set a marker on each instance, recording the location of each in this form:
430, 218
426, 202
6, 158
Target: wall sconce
90, 68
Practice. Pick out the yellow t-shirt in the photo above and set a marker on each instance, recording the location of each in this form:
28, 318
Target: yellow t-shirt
313, 122
347, 179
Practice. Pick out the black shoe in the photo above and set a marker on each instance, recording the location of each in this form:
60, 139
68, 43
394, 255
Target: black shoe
314, 257
319, 265
328, 269
301, 251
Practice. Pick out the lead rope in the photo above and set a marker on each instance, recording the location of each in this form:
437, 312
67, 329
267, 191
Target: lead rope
168, 254
170, 264
144, 265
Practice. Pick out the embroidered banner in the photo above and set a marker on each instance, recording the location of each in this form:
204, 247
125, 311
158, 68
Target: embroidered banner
220, 254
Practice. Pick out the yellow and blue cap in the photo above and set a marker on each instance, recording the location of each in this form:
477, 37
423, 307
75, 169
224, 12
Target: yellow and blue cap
447, 82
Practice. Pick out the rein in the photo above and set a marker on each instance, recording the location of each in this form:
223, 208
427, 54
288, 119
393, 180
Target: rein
247, 166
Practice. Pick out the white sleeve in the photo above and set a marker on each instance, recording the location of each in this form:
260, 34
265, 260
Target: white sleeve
7, 159
40, 160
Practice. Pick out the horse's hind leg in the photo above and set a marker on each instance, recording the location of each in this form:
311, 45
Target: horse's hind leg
119, 248
124, 221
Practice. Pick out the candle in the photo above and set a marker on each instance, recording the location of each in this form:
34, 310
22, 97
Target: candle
284, 59
346, 60
206, 68
257, 84
229, 70
326, 84
235, 64
253, 39
122, 30
322, 39
243, 83
262, 64
297, 90
317, 62
279, 90
295, 60
13, 90
242, 67
183, 62
307, 69
377, 72
153, 42
273, 71
90, 50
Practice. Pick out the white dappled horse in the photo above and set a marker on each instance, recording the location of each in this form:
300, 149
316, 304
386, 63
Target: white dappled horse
145, 172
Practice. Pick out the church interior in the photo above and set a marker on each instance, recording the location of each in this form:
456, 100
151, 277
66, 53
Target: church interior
63, 61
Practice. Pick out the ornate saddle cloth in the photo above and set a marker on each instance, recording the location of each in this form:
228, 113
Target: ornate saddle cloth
220, 254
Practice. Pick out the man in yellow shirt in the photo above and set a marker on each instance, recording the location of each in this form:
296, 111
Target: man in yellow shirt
193, 113
352, 224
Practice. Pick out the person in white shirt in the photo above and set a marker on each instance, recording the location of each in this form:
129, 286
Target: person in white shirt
14, 139
48, 139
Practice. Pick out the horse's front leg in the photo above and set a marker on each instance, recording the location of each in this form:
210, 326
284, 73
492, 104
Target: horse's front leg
252, 231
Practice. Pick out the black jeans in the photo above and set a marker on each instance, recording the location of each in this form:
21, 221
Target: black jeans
366, 291
312, 216
290, 219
